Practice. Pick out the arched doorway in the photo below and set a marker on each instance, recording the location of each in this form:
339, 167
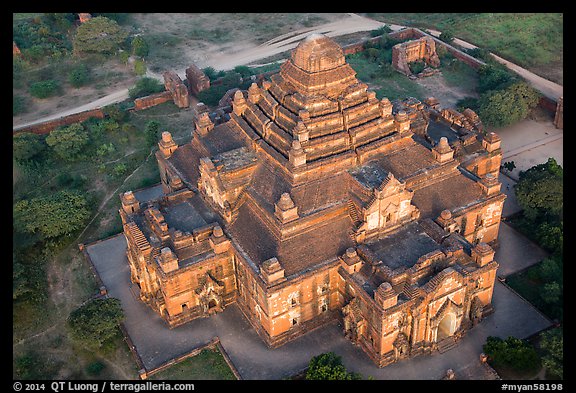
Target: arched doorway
447, 326
212, 303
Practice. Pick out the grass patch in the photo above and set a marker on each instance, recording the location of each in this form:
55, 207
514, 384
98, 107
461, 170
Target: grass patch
458, 74
532, 40
395, 86
207, 365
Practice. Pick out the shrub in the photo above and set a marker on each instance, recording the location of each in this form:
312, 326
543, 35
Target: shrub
467, 102
51, 215
328, 366
140, 47
19, 105
95, 368
494, 77
115, 112
447, 36
119, 170
145, 86
139, 67
44, 89
95, 323
69, 141
380, 31
501, 108
152, 132
79, 75
512, 353
552, 343
417, 66
26, 145
105, 149
387, 42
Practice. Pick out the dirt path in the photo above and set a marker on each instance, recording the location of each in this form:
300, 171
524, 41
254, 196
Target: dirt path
548, 88
227, 60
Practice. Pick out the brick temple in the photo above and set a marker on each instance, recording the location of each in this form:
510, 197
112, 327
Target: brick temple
313, 201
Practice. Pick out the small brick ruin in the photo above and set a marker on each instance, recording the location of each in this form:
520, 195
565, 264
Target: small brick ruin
179, 91
559, 116
84, 17
197, 80
405, 53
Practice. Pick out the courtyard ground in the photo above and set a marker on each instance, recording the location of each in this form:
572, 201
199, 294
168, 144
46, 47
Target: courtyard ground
156, 343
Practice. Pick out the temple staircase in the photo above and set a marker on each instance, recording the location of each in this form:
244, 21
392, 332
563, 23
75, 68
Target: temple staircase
446, 344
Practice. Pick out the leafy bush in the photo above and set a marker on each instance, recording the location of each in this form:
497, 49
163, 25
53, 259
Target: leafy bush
539, 192
44, 89
468, 102
115, 112
69, 141
95, 323
95, 368
51, 215
212, 74
119, 170
501, 108
26, 146
380, 31
79, 75
139, 67
447, 36
552, 343
152, 132
417, 66
19, 105
479, 53
494, 77
511, 353
105, 149
145, 86
387, 42
328, 366
140, 47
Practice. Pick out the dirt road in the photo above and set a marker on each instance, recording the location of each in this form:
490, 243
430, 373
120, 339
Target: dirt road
227, 60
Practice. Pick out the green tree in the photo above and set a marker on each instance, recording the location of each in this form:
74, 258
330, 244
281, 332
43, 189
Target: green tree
552, 342
328, 366
44, 89
243, 70
145, 86
115, 112
51, 215
95, 323
540, 191
500, 108
551, 292
152, 132
511, 353
26, 146
99, 35
69, 141
140, 46
494, 77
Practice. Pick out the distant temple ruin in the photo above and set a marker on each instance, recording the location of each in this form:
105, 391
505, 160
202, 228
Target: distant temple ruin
315, 201
405, 53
